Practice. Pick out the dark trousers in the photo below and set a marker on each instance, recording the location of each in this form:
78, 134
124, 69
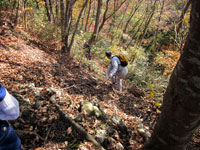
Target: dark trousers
8, 138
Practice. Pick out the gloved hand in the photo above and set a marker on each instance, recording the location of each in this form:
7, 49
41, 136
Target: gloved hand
110, 75
106, 76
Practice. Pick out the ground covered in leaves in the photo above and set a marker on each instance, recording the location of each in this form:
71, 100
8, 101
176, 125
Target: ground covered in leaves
33, 73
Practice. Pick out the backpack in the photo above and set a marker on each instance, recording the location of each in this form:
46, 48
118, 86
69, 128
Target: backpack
123, 60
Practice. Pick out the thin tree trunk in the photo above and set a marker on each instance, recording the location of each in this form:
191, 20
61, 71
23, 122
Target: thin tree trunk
57, 12
105, 13
180, 116
112, 23
83, 18
122, 19
147, 24
134, 32
48, 6
182, 16
76, 26
25, 14
132, 14
17, 13
47, 10
94, 9
62, 15
51, 12
96, 28
88, 16
154, 50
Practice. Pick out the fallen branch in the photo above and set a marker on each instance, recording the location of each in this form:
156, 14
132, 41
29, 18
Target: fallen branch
78, 128
30, 132
48, 133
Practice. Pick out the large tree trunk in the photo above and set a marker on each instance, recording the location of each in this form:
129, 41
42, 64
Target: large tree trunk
180, 116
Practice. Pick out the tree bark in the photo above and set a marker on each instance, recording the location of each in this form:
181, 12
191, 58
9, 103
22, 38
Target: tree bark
180, 116
88, 15
49, 10
96, 27
67, 43
17, 13
57, 12
76, 26
25, 14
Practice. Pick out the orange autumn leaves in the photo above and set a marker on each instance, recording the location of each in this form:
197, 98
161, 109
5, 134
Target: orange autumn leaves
169, 59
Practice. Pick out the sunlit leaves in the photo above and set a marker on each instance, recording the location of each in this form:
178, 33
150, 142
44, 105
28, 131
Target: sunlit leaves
42, 2
158, 104
152, 94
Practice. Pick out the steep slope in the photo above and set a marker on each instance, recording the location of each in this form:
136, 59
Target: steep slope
33, 73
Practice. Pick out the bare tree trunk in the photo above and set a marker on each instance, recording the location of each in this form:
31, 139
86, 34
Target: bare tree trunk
122, 20
132, 14
83, 18
147, 24
134, 31
48, 6
137, 24
182, 15
88, 15
94, 9
47, 10
105, 13
51, 12
154, 50
96, 28
67, 25
17, 13
76, 26
57, 12
112, 23
180, 116
25, 14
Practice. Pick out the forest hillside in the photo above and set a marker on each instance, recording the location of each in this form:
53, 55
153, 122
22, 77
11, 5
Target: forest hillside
30, 71
65, 100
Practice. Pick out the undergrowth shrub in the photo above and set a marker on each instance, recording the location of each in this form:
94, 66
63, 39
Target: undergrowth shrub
43, 30
140, 74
